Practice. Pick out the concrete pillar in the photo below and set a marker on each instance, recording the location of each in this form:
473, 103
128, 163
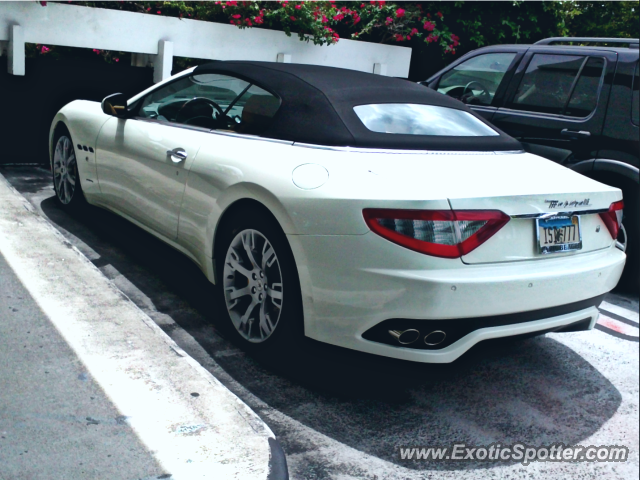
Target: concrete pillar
164, 61
15, 52
283, 58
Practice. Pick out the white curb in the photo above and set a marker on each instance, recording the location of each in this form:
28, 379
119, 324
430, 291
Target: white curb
146, 375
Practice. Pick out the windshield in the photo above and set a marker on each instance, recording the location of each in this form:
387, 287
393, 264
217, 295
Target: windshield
415, 119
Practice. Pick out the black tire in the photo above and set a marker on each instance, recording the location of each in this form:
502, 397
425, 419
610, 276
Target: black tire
288, 328
630, 280
64, 172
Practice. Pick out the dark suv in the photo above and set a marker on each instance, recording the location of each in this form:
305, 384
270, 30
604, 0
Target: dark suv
575, 105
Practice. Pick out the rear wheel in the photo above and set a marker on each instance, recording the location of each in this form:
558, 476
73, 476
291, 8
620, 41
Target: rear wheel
259, 283
66, 180
631, 220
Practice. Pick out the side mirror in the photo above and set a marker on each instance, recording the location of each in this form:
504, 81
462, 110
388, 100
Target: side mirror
115, 105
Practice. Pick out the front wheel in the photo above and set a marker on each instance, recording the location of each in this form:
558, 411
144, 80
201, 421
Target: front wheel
260, 284
66, 180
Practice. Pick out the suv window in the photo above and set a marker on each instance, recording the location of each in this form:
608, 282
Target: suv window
635, 114
585, 94
550, 79
476, 80
212, 101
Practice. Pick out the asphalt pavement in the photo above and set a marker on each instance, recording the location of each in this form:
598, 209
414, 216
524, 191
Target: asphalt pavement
342, 415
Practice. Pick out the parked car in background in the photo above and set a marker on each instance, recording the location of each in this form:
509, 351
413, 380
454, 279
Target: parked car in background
575, 105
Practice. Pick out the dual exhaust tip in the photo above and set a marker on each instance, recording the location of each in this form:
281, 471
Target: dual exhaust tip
407, 337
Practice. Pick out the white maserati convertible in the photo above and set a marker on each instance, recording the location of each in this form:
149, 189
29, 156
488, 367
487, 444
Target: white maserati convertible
359, 210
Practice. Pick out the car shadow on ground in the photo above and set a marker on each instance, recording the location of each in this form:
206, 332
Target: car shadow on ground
536, 391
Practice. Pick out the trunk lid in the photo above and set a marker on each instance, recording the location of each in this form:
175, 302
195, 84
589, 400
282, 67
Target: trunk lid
519, 185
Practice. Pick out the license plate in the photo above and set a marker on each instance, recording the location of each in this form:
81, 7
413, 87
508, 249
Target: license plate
560, 233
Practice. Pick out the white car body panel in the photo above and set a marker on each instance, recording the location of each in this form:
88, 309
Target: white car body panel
351, 278
136, 174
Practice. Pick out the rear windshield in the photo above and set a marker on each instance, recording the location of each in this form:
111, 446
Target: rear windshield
416, 119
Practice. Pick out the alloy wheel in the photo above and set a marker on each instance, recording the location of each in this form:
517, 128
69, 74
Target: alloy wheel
252, 284
64, 170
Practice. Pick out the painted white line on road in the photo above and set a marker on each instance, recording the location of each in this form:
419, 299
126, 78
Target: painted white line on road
623, 312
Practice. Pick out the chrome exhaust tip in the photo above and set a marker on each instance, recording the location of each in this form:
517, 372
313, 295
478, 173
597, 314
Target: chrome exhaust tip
435, 338
405, 337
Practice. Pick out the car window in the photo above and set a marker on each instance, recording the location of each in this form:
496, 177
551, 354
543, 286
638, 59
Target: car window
212, 101
585, 94
549, 80
476, 80
415, 119
635, 114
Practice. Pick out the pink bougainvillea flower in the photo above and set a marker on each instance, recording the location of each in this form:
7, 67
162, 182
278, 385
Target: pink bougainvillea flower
414, 31
292, 18
237, 15
336, 36
233, 3
298, 7
116, 60
324, 19
340, 16
400, 12
258, 20
362, 5
431, 38
158, 12
248, 22
439, 14
44, 49
428, 26
148, 9
388, 21
399, 38
97, 51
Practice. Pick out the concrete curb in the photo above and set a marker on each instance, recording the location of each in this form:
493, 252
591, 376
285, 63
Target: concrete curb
193, 425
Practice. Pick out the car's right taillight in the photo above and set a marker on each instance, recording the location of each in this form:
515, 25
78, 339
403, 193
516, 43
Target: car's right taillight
440, 233
612, 218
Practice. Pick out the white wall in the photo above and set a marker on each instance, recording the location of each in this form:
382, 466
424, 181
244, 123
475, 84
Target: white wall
75, 26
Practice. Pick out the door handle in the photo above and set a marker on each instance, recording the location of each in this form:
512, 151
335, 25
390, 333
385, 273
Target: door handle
177, 155
573, 134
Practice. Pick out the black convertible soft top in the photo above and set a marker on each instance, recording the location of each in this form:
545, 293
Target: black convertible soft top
317, 106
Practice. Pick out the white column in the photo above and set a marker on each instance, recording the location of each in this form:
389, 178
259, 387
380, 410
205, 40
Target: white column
164, 61
283, 58
380, 68
15, 52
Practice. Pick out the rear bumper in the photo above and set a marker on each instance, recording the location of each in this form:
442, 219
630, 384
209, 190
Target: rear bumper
352, 283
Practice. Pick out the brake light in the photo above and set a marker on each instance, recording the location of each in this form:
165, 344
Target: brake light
440, 233
613, 218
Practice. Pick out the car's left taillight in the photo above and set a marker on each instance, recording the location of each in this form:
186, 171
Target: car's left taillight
440, 233
613, 218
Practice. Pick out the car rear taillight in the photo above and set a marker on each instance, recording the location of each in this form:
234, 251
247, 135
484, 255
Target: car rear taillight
440, 233
613, 218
